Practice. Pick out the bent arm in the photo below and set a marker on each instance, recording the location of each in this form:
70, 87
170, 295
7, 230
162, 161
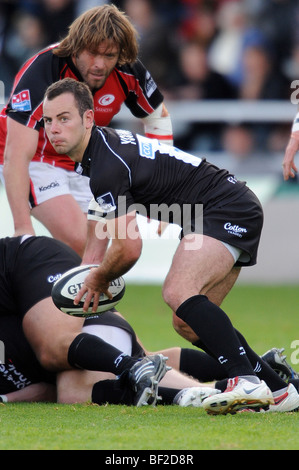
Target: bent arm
120, 257
33, 393
21, 144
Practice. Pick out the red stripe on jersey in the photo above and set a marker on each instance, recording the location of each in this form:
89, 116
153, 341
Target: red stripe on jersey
35, 116
159, 137
27, 65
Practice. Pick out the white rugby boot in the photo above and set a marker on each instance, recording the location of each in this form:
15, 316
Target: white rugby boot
194, 396
287, 400
240, 393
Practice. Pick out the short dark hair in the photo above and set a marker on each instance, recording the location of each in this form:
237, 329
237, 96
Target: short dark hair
82, 94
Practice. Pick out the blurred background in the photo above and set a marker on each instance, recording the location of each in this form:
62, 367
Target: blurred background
228, 72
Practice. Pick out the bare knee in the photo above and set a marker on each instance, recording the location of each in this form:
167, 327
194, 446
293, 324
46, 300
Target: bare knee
171, 296
52, 358
183, 329
50, 333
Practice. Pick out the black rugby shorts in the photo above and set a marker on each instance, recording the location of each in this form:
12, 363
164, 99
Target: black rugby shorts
33, 268
237, 221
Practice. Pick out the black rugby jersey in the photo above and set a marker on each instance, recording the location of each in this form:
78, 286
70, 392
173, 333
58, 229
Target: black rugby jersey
129, 169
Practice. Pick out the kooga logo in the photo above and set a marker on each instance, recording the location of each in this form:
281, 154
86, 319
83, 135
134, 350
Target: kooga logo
54, 184
235, 229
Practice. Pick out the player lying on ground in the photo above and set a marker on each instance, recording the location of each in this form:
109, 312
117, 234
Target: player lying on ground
23, 379
28, 267
220, 233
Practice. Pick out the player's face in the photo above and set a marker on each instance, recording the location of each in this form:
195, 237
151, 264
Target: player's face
65, 128
96, 67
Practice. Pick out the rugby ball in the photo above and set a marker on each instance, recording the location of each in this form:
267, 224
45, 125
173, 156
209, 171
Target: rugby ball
68, 285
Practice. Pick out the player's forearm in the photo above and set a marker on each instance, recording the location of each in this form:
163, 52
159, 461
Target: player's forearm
17, 189
21, 144
96, 243
119, 259
125, 248
33, 393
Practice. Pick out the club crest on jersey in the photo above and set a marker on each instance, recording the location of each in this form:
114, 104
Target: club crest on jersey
106, 202
21, 101
106, 100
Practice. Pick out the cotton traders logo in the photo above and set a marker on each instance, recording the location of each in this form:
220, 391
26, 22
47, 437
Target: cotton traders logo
53, 277
235, 229
106, 100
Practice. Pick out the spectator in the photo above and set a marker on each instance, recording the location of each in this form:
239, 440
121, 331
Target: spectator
26, 38
157, 48
199, 21
56, 16
278, 20
260, 81
197, 79
235, 33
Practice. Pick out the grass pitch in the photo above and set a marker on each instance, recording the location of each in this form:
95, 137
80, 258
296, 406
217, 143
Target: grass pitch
267, 316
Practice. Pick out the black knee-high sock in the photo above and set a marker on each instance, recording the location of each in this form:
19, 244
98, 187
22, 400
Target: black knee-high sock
115, 392
261, 368
205, 368
92, 353
112, 392
200, 365
214, 328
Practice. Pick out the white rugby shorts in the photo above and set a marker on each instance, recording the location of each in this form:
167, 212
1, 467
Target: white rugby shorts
48, 181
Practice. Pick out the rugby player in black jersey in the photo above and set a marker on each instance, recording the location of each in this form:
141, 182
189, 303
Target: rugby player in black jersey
220, 232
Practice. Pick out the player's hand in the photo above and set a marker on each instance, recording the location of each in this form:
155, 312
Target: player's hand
288, 164
93, 287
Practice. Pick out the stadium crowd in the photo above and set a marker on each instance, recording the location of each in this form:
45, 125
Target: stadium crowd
195, 49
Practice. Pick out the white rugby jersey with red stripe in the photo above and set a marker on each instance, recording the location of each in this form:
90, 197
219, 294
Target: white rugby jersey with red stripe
129, 84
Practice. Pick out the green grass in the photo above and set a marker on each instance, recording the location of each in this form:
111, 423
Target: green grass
88, 427
267, 316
